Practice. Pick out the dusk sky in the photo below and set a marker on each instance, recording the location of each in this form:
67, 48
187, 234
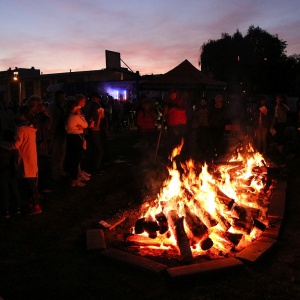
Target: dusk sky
153, 36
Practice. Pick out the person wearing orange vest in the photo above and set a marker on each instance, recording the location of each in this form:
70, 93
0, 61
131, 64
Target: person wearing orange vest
176, 119
146, 123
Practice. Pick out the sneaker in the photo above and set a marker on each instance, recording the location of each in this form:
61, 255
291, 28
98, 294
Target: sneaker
34, 209
78, 183
84, 178
85, 173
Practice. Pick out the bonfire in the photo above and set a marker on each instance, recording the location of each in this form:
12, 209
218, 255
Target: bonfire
213, 210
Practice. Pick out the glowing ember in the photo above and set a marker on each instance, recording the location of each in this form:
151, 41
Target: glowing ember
221, 208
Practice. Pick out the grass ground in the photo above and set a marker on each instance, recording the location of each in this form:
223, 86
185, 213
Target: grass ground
45, 256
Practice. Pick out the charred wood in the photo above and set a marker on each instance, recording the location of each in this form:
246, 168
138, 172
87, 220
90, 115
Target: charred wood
245, 226
139, 226
151, 227
162, 223
225, 201
183, 242
255, 212
240, 212
207, 244
258, 224
234, 238
196, 226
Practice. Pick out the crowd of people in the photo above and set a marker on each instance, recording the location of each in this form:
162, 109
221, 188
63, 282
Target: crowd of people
70, 136
57, 134
210, 126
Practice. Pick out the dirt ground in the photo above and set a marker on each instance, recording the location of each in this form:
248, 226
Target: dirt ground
45, 256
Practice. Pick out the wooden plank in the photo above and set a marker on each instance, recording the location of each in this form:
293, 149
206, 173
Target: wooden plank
213, 267
134, 260
256, 250
95, 239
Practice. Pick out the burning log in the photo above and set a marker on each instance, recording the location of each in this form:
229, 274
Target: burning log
222, 221
234, 237
255, 212
248, 217
245, 226
206, 244
205, 216
182, 240
241, 212
224, 200
143, 240
151, 227
139, 226
242, 218
258, 224
196, 226
162, 222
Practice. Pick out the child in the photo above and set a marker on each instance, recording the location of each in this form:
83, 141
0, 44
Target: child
27, 166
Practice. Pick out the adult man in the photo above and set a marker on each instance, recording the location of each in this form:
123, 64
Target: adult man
94, 115
175, 113
57, 131
217, 122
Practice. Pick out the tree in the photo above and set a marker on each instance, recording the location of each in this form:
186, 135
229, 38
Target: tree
256, 62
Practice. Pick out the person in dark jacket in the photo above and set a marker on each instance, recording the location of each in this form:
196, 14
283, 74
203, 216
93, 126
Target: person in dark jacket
9, 188
217, 122
146, 123
279, 122
200, 127
261, 125
94, 116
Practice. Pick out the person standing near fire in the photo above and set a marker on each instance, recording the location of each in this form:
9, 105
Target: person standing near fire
94, 115
200, 129
57, 133
27, 161
75, 125
261, 125
176, 119
217, 122
146, 123
279, 122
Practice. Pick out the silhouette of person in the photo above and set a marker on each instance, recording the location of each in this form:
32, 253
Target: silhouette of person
217, 122
57, 134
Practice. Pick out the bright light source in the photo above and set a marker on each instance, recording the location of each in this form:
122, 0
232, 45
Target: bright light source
16, 74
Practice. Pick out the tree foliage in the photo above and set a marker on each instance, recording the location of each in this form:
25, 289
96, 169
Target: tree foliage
256, 62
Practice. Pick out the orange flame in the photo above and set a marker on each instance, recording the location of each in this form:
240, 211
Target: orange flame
224, 201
